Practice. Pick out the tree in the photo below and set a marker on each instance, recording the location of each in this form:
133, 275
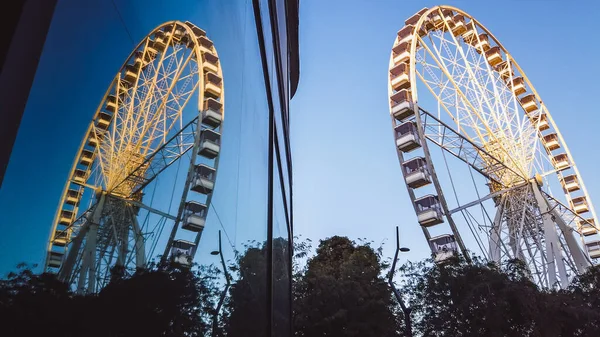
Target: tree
343, 293
482, 299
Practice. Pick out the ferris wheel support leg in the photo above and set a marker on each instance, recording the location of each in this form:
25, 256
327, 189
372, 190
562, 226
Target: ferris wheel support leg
553, 250
436, 183
495, 233
65, 272
140, 247
581, 261
88, 268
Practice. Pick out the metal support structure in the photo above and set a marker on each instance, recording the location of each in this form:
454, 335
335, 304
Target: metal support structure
405, 310
224, 292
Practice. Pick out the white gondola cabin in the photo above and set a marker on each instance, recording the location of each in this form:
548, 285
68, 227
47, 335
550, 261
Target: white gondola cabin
415, 18
528, 103
197, 30
593, 249
87, 157
407, 137
436, 18
448, 17
204, 179
587, 227
443, 247
212, 115
470, 33
401, 53
406, 34
561, 161
518, 86
111, 103
79, 176
482, 44
205, 44
493, 56
212, 85
181, 253
55, 259
61, 237
429, 210
160, 41
103, 121
579, 205
504, 70
210, 62
131, 74
66, 217
570, 183
458, 26
551, 141
194, 216
416, 173
94, 138
400, 77
402, 107
540, 121
177, 33
72, 197
210, 143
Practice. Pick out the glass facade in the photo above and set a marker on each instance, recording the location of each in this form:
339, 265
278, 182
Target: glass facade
251, 204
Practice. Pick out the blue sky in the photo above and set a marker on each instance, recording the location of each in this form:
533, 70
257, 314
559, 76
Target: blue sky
347, 179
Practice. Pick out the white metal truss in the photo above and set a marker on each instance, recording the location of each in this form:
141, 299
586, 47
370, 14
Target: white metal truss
490, 121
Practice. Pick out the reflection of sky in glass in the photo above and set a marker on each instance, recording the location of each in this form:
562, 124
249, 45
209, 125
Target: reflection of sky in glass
85, 48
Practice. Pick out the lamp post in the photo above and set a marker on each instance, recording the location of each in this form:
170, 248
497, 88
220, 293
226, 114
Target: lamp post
224, 293
406, 310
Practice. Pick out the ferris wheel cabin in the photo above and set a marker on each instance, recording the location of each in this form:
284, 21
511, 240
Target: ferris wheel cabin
587, 227
212, 85
593, 249
444, 247
401, 52
429, 211
210, 143
550, 141
204, 179
194, 216
579, 205
518, 86
55, 259
561, 161
211, 115
407, 138
402, 107
416, 173
570, 183
181, 253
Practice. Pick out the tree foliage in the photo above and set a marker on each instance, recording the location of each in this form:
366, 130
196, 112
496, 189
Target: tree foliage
339, 290
482, 299
342, 293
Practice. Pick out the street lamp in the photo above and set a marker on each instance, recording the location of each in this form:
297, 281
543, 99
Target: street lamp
406, 310
224, 293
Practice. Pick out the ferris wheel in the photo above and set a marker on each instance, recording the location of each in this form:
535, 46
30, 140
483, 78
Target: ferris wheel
108, 224
485, 165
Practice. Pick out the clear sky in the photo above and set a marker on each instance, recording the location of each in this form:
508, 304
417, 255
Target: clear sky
347, 179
